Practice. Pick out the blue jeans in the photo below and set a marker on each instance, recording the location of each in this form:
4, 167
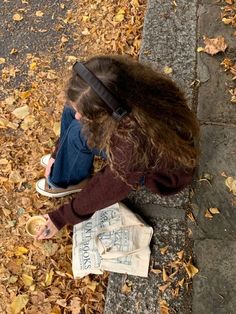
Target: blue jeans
74, 159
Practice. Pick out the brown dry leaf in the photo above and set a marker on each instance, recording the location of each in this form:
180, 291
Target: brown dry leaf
15, 177
164, 249
229, 1
230, 182
127, 287
17, 17
75, 305
18, 303
10, 100
39, 13
181, 282
4, 161
191, 269
64, 39
2, 60
175, 292
164, 307
21, 112
13, 51
200, 49
214, 45
28, 122
164, 287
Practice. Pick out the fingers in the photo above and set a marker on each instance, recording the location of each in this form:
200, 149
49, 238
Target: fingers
47, 231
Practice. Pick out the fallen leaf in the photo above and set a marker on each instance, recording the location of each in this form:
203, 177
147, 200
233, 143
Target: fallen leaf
164, 249
10, 100
181, 282
21, 112
165, 277
57, 128
28, 122
156, 271
17, 17
13, 51
164, 287
39, 13
191, 269
191, 217
28, 280
127, 287
120, 15
18, 303
214, 210
3, 161
75, 305
2, 60
214, 45
168, 70
49, 276
208, 214
21, 250
200, 49
230, 182
180, 254
164, 307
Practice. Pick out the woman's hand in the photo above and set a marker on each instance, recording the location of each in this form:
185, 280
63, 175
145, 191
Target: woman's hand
49, 166
47, 231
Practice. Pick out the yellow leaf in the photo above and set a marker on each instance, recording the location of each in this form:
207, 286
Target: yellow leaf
28, 280
21, 112
85, 18
10, 100
181, 282
17, 17
92, 286
214, 210
57, 128
135, 3
231, 184
168, 70
164, 249
39, 13
164, 307
24, 95
191, 217
71, 58
200, 49
2, 60
18, 303
227, 21
190, 269
120, 15
28, 122
13, 51
21, 250
48, 279
33, 66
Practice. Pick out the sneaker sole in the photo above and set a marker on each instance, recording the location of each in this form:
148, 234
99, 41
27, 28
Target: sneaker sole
51, 194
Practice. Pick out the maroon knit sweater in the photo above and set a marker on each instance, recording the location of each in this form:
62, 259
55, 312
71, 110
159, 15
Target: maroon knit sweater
106, 188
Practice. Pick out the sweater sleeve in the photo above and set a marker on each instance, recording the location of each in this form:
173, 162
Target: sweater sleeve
103, 189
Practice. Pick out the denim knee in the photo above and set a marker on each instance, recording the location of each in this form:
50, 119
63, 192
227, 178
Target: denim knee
75, 136
68, 112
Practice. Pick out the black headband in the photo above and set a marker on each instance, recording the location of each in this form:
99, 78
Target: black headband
118, 111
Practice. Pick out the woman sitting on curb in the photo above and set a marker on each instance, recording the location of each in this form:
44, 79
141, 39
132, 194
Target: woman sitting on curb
136, 119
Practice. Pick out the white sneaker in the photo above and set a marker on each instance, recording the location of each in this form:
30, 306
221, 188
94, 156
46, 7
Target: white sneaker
44, 160
43, 188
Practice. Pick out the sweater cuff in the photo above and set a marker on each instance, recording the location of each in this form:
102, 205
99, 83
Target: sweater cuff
57, 219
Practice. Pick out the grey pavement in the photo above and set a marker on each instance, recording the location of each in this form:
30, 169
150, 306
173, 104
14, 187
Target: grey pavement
171, 36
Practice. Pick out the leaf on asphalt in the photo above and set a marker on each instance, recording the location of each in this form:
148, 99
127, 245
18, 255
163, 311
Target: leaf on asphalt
165, 277
214, 210
21, 112
214, 45
17, 17
180, 254
156, 271
181, 282
18, 303
191, 217
127, 287
164, 249
164, 287
230, 182
191, 269
39, 13
168, 70
13, 51
208, 214
2, 60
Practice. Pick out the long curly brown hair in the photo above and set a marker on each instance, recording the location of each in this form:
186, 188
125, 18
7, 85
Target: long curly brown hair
160, 126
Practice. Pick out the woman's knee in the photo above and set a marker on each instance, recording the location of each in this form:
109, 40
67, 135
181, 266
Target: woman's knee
68, 113
75, 136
